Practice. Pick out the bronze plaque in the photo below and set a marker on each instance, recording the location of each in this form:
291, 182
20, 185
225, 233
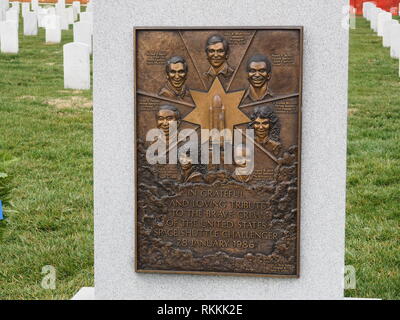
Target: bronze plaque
218, 131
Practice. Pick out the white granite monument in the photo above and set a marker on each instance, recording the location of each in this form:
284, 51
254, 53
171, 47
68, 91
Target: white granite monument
64, 19
12, 14
382, 18
30, 24
35, 5
76, 66
70, 15
76, 6
9, 37
53, 29
82, 33
387, 29
395, 41
323, 168
26, 7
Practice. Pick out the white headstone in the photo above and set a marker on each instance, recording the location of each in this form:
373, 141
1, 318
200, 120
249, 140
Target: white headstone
87, 17
374, 18
64, 19
12, 14
76, 6
52, 11
89, 7
59, 7
387, 29
369, 11
35, 5
50, 21
323, 148
41, 18
395, 41
15, 5
30, 24
382, 17
70, 15
367, 6
9, 37
82, 33
2, 10
4, 5
26, 7
53, 29
76, 66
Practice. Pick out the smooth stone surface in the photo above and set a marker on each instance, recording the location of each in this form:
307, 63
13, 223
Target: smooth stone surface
35, 5
12, 14
53, 35
387, 29
51, 11
395, 41
15, 5
51, 21
25, 7
84, 293
382, 18
370, 11
53, 29
64, 20
76, 66
367, 6
41, 18
30, 24
374, 18
59, 7
87, 17
89, 7
323, 151
76, 6
83, 34
9, 37
70, 15
88, 293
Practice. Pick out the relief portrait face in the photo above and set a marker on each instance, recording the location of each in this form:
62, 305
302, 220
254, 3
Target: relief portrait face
176, 74
261, 127
216, 54
164, 120
185, 161
258, 74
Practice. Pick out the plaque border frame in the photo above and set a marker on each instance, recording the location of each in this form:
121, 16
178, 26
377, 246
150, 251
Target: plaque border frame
300, 29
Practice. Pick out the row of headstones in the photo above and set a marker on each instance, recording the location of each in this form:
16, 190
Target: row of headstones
385, 26
54, 20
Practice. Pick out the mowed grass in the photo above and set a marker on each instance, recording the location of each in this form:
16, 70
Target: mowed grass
373, 182
46, 143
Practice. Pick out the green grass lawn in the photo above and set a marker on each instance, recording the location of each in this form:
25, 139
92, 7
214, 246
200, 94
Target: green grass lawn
373, 183
46, 145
